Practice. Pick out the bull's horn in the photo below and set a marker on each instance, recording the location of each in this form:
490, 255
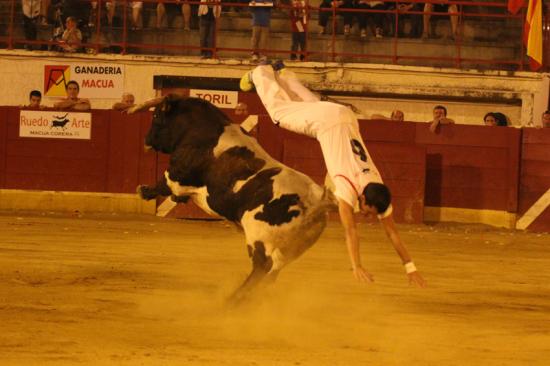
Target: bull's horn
146, 105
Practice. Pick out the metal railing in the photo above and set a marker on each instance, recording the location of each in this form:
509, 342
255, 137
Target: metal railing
483, 17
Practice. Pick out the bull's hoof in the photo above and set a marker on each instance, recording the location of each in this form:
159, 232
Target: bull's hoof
146, 192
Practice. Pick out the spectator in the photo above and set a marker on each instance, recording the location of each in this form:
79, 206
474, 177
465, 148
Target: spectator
137, 19
185, 11
439, 118
495, 119
298, 21
324, 16
376, 19
35, 98
110, 6
439, 8
31, 14
261, 17
72, 101
44, 8
396, 115
72, 37
546, 119
207, 26
241, 109
127, 101
415, 19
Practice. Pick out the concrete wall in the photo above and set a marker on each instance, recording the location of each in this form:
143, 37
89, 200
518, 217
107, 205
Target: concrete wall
376, 88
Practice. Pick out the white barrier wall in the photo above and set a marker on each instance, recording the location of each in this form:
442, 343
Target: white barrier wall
468, 95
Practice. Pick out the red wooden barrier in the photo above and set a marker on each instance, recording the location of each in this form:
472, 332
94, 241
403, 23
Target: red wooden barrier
111, 161
3, 132
535, 175
471, 166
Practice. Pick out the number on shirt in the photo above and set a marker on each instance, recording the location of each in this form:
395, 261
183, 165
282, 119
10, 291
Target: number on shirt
358, 150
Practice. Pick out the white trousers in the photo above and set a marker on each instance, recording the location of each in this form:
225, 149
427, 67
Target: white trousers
294, 107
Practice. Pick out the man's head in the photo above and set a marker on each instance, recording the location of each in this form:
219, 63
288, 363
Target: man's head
375, 200
546, 119
439, 111
397, 115
128, 98
70, 22
72, 89
241, 109
35, 97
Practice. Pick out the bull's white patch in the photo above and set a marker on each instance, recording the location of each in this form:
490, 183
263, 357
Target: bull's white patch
197, 194
55, 124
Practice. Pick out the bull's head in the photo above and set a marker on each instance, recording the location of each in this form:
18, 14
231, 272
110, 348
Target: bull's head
178, 119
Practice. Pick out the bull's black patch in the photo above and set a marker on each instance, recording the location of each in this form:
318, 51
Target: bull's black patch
277, 211
160, 189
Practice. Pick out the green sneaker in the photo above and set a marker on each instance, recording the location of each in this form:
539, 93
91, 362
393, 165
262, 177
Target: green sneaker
246, 83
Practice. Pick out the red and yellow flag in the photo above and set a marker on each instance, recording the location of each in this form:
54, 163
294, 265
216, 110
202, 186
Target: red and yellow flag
533, 33
515, 5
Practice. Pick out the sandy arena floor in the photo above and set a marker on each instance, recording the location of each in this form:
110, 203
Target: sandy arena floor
136, 290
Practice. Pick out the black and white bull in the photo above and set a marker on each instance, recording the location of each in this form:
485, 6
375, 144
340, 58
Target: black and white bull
226, 173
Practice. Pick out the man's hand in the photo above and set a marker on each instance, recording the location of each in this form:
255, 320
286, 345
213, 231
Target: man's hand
416, 279
362, 275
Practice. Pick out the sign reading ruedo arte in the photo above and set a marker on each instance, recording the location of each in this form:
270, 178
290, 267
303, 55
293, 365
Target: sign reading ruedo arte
55, 124
95, 80
220, 98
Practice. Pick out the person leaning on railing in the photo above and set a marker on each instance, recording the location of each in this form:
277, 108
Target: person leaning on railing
439, 118
72, 101
128, 101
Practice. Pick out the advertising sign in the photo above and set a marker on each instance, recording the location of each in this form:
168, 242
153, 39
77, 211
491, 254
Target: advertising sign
96, 80
55, 124
220, 98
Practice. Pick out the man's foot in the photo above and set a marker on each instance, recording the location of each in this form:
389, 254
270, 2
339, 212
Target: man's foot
246, 84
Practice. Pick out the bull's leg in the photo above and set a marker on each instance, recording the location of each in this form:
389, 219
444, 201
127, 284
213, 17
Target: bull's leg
262, 264
160, 189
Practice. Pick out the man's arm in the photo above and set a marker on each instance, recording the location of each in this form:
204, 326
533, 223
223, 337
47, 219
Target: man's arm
389, 226
64, 104
352, 241
82, 105
379, 116
440, 121
119, 106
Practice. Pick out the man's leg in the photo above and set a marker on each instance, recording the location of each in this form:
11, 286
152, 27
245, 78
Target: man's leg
290, 82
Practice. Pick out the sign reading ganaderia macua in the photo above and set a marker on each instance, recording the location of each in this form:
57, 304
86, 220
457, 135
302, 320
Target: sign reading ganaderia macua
55, 124
95, 80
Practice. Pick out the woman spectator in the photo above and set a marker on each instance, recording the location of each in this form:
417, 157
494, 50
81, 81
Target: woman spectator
495, 119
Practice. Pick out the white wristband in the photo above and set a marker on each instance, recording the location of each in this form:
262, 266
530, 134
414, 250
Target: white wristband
410, 267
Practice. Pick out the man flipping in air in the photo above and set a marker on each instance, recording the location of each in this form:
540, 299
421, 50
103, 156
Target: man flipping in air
354, 175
